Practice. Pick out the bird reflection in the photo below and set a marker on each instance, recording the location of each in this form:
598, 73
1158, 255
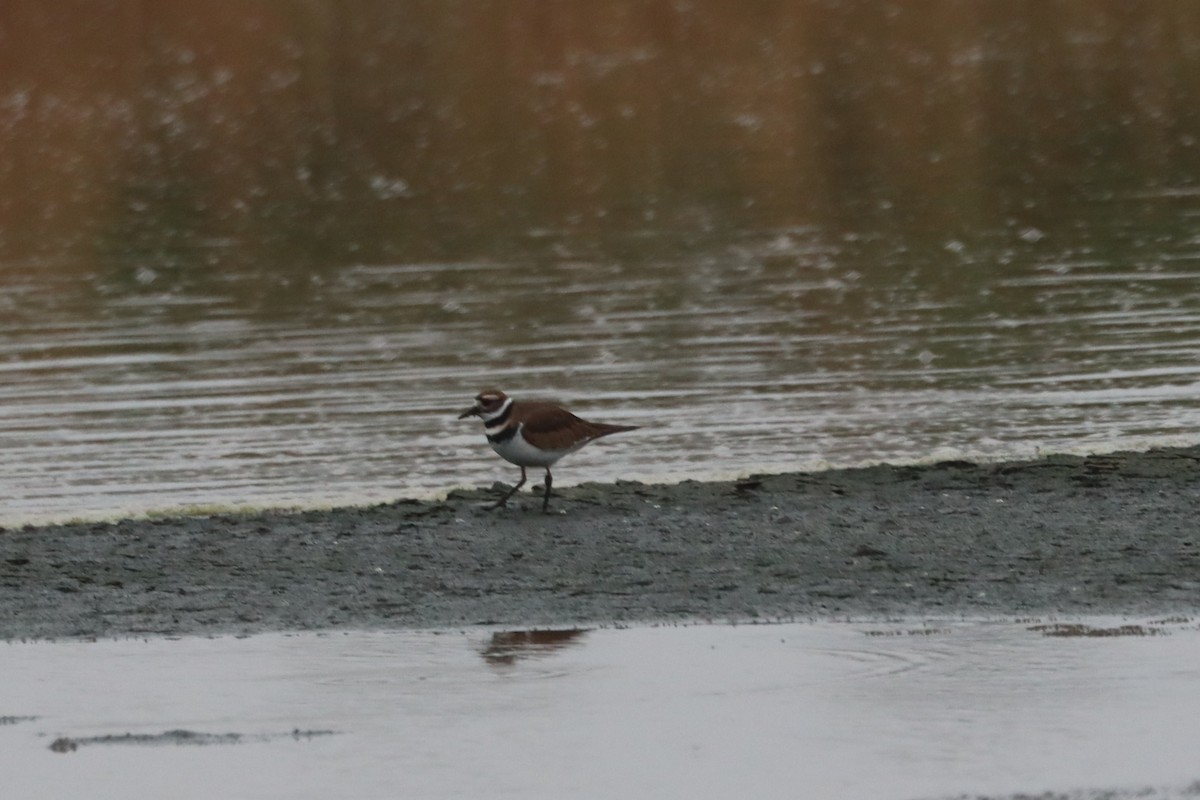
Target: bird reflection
507, 647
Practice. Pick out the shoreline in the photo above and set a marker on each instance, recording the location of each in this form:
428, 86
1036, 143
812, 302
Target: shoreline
1068, 535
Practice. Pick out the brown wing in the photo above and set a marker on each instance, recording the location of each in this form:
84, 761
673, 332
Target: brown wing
555, 428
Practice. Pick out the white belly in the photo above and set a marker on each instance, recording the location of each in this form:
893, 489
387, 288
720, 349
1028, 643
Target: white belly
518, 451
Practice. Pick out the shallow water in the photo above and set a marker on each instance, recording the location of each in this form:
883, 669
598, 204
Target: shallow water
264, 261
783, 352
839, 710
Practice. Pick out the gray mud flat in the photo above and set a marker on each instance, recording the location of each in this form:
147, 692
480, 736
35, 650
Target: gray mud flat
1114, 533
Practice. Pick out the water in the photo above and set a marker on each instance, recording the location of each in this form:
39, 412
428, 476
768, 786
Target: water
783, 352
896, 710
264, 262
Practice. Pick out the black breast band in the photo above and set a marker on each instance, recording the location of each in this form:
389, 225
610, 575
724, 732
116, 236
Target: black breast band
502, 436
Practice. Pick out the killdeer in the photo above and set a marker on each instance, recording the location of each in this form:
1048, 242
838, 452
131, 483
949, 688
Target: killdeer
533, 433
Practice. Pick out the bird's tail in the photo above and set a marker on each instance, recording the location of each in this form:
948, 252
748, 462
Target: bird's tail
604, 429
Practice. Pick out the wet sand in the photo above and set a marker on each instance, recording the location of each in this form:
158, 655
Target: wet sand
1060, 535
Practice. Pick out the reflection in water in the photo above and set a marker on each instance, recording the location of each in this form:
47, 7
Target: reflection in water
259, 258
411, 130
971, 710
505, 648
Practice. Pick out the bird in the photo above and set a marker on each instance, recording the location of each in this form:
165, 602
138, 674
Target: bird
533, 433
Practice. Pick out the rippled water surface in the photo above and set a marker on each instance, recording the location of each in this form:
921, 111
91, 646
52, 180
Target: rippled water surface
266, 261
786, 351
904, 711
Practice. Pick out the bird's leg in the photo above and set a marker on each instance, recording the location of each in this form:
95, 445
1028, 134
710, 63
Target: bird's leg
546, 498
503, 500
